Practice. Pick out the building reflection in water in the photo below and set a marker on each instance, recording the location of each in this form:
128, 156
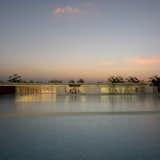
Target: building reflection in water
85, 103
35, 97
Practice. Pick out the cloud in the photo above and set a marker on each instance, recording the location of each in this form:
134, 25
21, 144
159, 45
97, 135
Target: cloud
66, 10
143, 60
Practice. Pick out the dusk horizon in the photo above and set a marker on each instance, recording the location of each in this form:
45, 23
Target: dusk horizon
93, 40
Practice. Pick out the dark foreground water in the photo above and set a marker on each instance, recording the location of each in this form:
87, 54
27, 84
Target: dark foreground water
129, 129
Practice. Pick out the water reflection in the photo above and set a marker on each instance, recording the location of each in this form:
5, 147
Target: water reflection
82, 103
78, 103
74, 137
35, 97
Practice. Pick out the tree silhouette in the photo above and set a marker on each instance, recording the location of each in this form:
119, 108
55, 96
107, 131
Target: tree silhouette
80, 80
31, 81
116, 79
1, 81
155, 81
15, 78
55, 81
132, 79
71, 81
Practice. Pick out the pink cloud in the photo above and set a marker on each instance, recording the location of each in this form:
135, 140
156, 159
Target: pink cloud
142, 60
66, 10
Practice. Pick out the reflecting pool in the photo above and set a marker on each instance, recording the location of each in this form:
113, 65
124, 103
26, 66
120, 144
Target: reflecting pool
43, 134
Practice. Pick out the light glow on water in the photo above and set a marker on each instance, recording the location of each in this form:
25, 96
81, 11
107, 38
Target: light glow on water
51, 104
79, 127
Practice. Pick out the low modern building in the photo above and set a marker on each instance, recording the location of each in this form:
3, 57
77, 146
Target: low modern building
87, 88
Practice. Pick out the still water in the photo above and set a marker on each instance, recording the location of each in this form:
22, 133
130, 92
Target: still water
42, 134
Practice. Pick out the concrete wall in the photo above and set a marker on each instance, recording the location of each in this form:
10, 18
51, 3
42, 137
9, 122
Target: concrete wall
106, 89
81, 89
149, 89
121, 89
61, 90
36, 89
89, 89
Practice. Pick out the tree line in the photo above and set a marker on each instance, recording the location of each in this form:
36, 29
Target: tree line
155, 80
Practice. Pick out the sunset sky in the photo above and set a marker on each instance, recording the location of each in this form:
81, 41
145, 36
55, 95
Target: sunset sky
71, 39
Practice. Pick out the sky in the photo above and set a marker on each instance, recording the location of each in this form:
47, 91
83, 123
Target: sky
72, 39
